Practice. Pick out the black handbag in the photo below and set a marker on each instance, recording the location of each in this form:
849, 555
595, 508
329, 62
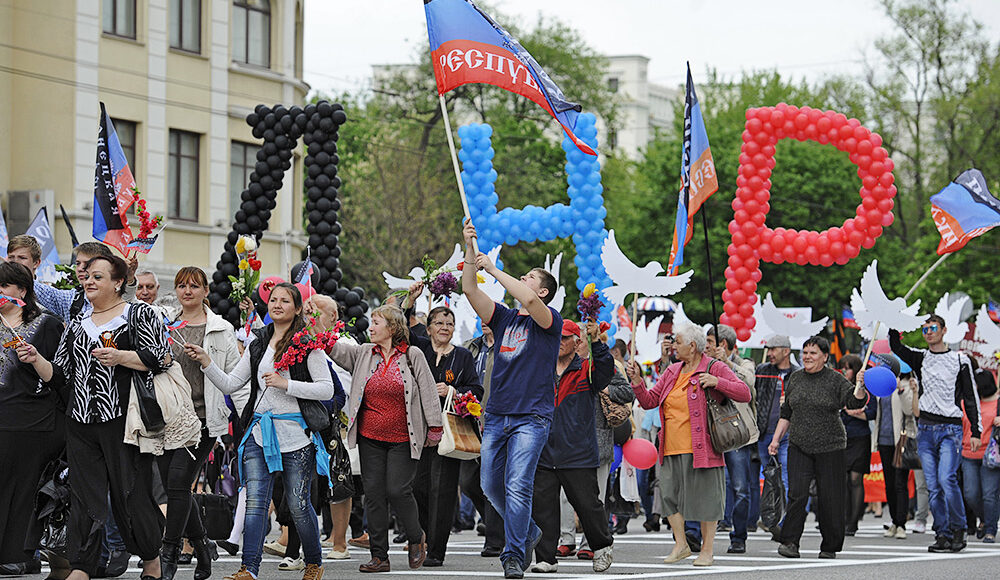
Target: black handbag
149, 408
727, 430
906, 455
316, 416
341, 478
217, 513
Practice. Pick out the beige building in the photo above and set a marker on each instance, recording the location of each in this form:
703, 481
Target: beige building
178, 78
643, 107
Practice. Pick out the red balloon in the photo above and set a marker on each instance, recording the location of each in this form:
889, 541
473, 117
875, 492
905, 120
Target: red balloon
749, 287
266, 285
307, 291
640, 453
746, 310
741, 333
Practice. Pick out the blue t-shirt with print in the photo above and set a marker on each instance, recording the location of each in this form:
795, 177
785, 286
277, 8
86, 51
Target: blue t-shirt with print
524, 363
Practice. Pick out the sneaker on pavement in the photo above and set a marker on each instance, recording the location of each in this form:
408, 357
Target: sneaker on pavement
274, 549
941, 544
241, 574
585, 555
512, 568
889, 532
289, 564
339, 554
564, 551
603, 559
900, 533
313, 572
989, 539
919, 527
545, 567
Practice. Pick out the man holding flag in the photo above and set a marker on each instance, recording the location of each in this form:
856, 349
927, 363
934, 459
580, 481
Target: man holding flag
698, 178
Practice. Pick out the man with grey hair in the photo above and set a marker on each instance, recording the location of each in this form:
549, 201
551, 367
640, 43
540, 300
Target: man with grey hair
739, 462
147, 286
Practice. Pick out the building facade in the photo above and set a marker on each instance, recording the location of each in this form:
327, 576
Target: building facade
643, 107
178, 78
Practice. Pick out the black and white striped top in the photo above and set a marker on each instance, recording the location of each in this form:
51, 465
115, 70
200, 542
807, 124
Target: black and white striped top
96, 393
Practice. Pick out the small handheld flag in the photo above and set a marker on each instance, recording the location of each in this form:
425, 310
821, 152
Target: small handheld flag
113, 185
848, 319
468, 46
698, 177
993, 309
41, 230
171, 326
963, 210
306, 272
143, 245
4, 299
4, 239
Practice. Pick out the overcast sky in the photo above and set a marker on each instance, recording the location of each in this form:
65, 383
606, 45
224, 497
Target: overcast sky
801, 38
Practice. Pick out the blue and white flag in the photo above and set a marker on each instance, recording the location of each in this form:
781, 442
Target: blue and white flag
4, 238
41, 230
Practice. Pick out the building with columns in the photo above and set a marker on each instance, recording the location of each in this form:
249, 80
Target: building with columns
178, 78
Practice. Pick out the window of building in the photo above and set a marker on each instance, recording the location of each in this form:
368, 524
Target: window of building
126, 137
242, 159
612, 138
185, 25
252, 32
119, 17
182, 178
613, 84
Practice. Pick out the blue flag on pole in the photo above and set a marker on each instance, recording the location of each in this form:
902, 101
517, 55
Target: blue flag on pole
698, 178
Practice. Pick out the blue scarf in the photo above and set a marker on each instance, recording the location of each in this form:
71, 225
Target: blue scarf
272, 449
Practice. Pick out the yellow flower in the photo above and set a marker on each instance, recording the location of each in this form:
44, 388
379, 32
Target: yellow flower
474, 409
480, 279
589, 289
244, 264
241, 246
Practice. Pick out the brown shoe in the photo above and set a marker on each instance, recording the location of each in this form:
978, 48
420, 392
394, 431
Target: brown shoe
241, 574
417, 552
313, 572
376, 565
360, 541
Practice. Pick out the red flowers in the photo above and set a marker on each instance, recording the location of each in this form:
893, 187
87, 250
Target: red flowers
147, 222
305, 341
460, 265
254, 264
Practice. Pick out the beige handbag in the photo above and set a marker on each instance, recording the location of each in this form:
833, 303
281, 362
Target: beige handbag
460, 437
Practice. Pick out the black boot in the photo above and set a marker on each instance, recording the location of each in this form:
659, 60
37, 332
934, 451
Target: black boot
168, 560
205, 551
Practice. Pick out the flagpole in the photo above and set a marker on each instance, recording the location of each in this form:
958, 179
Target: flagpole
711, 282
635, 321
906, 296
454, 163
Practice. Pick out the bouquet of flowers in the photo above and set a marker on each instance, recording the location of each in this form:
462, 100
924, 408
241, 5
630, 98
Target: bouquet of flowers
245, 283
306, 340
467, 405
147, 225
441, 281
589, 307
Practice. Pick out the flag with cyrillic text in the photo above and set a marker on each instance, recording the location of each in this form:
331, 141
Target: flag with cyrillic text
113, 186
963, 210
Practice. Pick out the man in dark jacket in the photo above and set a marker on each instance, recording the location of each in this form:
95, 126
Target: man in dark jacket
570, 457
769, 381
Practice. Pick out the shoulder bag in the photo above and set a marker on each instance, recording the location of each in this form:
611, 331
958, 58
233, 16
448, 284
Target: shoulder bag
905, 455
991, 456
727, 430
341, 476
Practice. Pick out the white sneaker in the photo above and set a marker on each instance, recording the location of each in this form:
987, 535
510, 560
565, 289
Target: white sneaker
919, 527
603, 559
274, 549
338, 555
889, 532
289, 564
900, 533
544, 567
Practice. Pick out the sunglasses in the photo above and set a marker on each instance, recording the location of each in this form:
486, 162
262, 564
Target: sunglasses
929, 329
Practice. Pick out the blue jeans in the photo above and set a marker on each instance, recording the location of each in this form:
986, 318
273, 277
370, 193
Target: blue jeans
753, 515
981, 486
298, 470
510, 450
940, 449
738, 468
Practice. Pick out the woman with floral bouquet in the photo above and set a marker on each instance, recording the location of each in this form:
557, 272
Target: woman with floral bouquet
436, 484
287, 370
393, 413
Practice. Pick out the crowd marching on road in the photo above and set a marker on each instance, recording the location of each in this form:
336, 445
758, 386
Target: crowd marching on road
132, 425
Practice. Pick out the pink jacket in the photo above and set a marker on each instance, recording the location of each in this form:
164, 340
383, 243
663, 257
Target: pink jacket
701, 442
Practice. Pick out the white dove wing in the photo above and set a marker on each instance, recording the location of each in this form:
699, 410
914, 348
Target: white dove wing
620, 269
465, 321
680, 317
647, 348
789, 327
987, 332
669, 285
955, 329
395, 283
552, 267
559, 299
556, 265
892, 313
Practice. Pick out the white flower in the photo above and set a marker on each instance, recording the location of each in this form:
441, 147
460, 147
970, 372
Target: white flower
249, 244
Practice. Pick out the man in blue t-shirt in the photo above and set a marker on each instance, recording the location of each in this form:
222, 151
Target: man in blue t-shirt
519, 411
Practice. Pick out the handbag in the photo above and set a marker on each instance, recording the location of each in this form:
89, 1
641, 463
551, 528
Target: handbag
217, 513
341, 476
991, 456
615, 413
727, 430
460, 437
905, 455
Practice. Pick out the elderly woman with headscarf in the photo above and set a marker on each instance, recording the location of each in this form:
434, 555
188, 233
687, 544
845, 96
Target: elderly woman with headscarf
692, 480
817, 444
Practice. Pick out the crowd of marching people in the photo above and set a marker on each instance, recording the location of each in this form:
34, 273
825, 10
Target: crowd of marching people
131, 425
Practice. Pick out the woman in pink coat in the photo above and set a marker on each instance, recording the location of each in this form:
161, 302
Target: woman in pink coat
692, 481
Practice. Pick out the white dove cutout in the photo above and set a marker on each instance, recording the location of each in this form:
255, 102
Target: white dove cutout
647, 345
417, 273
631, 279
552, 267
680, 317
788, 324
878, 309
466, 321
865, 330
955, 329
987, 334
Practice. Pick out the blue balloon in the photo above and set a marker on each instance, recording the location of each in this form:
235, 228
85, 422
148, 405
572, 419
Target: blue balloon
880, 381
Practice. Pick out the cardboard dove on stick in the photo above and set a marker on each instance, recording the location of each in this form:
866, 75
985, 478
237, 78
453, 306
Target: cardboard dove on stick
645, 341
553, 267
987, 332
879, 310
955, 329
788, 325
631, 279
